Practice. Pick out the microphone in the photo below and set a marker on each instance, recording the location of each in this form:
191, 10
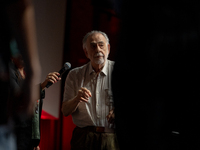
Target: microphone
66, 66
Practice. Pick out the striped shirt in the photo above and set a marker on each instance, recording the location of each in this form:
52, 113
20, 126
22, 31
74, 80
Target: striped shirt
94, 112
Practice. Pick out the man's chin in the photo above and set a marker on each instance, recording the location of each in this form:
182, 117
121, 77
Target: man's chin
99, 61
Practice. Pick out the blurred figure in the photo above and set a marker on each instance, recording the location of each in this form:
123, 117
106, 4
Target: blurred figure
88, 97
17, 20
27, 129
156, 77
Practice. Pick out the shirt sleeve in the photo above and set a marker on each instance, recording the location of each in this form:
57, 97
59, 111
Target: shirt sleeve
70, 89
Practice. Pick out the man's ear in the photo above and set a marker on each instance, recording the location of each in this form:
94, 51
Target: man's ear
108, 49
86, 53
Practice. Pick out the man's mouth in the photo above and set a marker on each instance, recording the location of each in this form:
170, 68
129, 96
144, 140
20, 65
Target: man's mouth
97, 55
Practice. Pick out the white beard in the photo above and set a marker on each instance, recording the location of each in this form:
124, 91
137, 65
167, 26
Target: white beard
99, 61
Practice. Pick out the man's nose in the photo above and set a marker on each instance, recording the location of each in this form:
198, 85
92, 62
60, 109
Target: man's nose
98, 49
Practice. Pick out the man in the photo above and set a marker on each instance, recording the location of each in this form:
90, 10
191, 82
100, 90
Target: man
88, 97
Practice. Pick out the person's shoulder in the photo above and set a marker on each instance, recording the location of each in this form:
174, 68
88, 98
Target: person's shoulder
111, 63
12, 70
79, 70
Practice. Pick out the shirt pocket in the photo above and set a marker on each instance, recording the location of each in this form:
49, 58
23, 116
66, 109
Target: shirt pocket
109, 99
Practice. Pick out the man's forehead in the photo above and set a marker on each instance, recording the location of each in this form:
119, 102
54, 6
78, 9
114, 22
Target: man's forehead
96, 38
97, 42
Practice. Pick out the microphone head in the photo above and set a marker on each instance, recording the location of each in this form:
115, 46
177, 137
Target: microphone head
67, 65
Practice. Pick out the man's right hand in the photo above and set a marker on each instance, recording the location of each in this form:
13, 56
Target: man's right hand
83, 95
70, 106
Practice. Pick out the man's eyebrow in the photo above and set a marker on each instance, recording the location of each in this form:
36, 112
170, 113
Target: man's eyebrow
101, 42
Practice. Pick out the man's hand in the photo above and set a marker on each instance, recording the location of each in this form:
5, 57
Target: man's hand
83, 95
51, 77
111, 117
70, 106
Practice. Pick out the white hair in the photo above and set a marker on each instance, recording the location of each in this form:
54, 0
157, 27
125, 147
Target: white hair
93, 32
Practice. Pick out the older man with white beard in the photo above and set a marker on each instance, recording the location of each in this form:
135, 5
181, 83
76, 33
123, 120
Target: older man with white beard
88, 97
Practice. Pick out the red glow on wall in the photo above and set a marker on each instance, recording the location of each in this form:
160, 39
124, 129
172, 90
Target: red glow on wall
46, 115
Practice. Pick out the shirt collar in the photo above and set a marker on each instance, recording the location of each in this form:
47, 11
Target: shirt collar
104, 70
